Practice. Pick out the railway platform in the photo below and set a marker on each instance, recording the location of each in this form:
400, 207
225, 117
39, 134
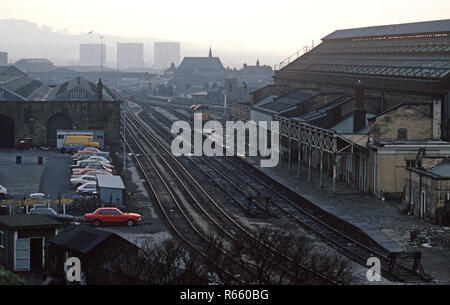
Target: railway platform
381, 220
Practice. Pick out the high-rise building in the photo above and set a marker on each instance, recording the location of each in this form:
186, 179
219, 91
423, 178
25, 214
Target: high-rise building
130, 55
166, 53
93, 54
3, 59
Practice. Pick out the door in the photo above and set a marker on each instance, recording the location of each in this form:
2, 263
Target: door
423, 204
36, 253
22, 254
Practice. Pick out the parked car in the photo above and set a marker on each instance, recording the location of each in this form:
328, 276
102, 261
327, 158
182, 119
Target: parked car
112, 216
79, 181
71, 148
3, 192
89, 188
25, 143
87, 155
51, 213
85, 150
84, 163
92, 166
91, 172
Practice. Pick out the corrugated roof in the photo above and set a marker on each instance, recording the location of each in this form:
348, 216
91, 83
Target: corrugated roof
109, 181
435, 26
28, 221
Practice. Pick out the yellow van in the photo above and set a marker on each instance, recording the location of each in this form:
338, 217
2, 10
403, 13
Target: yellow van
83, 140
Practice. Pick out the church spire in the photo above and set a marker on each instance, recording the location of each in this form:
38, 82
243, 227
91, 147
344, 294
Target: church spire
210, 52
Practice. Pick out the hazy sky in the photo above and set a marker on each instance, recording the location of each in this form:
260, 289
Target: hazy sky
277, 26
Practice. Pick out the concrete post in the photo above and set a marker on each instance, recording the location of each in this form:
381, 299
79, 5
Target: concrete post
289, 151
321, 168
299, 158
309, 162
334, 173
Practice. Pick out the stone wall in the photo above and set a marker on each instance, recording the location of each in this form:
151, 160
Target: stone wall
31, 118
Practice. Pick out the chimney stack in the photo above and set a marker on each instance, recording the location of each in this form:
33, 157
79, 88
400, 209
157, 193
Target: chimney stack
100, 90
359, 112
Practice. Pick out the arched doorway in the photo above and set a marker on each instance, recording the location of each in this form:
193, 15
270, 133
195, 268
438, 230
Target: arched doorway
7, 135
58, 121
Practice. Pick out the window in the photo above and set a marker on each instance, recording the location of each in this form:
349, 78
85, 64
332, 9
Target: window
114, 212
402, 134
412, 163
2, 95
61, 136
78, 95
104, 212
2, 242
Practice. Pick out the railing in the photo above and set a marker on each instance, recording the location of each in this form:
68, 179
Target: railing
293, 57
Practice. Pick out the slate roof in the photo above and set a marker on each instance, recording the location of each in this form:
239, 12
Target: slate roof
81, 239
19, 86
346, 125
442, 169
435, 26
63, 91
28, 221
284, 103
202, 63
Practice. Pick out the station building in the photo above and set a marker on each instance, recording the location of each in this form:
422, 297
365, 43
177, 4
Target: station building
32, 109
360, 106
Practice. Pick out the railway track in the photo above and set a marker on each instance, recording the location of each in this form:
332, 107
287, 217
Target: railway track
347, 238
204, 204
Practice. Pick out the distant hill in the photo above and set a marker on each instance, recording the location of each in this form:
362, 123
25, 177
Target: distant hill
24, 39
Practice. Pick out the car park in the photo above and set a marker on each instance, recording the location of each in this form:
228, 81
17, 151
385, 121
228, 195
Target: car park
89, 188
3, 192
51, 213
112, 216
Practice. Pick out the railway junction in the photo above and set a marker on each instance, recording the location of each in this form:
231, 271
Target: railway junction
342, 108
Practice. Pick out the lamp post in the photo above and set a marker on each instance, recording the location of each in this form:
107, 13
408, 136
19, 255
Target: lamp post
101, 51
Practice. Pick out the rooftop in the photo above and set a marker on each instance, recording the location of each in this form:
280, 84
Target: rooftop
81, 239
28, 221
414, 51
435, 26
202, 63
110, 181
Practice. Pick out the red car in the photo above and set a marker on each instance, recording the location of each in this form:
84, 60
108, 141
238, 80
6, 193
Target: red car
111, 216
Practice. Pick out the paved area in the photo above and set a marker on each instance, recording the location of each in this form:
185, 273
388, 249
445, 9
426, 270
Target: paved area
51, 178
21, 179
383, 221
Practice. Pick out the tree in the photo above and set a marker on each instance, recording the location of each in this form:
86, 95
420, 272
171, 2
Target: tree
8, 278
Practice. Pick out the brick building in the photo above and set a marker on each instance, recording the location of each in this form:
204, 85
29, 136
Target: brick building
427, 192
